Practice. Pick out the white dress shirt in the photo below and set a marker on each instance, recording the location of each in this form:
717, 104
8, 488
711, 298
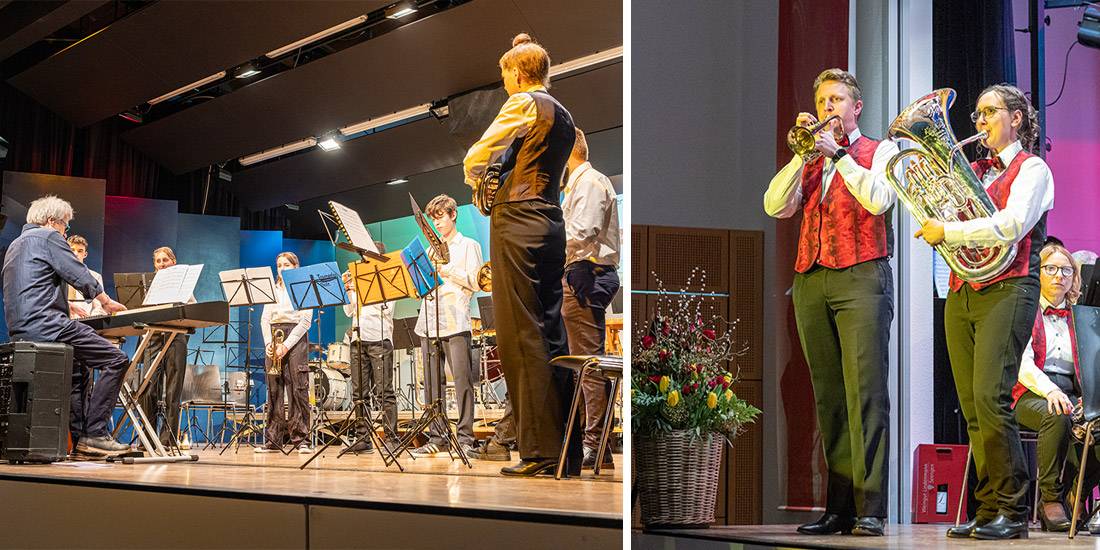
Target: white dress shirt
78, 299
514, 120
453, 296
591, 218
282, 311
1032, 194
1059, 353
375, 323
868, 186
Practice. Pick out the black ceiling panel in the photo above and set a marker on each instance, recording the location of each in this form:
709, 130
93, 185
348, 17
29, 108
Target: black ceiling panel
24, 23
170, 44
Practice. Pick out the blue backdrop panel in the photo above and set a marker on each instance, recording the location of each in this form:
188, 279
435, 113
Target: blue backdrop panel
214, 242
133, 229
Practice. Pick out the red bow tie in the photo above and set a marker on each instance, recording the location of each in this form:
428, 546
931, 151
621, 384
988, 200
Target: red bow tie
1060, 312
843, 142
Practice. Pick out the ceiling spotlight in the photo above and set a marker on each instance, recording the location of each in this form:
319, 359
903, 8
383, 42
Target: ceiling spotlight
328, 143
399, 10
225, 175
292, 207
1088, 30
246, 70
397, 181
440, 111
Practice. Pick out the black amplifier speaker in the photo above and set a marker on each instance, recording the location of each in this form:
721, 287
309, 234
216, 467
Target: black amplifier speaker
35, 379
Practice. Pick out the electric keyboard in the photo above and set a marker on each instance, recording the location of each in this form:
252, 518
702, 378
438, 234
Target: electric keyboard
132, 322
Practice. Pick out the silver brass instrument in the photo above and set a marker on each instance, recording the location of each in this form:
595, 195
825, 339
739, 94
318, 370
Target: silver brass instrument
485, 277
277, 337
801, 139
486, 190
938, 183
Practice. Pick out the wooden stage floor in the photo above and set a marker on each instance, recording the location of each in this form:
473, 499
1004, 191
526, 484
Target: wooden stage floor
898, 537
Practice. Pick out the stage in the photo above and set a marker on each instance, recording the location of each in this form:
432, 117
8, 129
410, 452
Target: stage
898, 537
250, 500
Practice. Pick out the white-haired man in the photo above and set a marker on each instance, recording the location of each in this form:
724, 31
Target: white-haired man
37, 310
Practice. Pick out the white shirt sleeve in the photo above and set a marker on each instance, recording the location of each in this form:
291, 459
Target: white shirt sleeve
305, 319
869, 186
587, 211
265, 324
1032, 377
462, 270
515, 117
1032, 195
784, 195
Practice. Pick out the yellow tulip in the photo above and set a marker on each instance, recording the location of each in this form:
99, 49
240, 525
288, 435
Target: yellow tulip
712, 400
729, 395
663, 384
673, 398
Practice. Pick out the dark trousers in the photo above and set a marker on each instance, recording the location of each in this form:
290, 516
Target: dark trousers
843, 318
377, 379
172, 370
89, 410
455, 350
1054, 437
527, 249
587, 291
986, 333
292, 425
504, 433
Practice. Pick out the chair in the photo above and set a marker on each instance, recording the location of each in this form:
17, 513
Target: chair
1086, 328
610, 366
1026, 436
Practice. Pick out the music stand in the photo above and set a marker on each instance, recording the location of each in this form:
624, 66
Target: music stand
1086, 329
249, 288
405, 338
131, 288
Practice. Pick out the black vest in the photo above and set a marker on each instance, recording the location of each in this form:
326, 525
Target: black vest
532, 168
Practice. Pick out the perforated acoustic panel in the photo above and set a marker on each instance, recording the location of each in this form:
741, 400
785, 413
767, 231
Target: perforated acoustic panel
744, 467
746, 299
675, 252
639, 259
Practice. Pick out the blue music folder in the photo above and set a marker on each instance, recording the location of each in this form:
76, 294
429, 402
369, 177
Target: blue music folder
421, 270
314, 286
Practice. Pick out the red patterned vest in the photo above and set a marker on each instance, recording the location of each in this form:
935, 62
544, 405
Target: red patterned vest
837, 232
1027, 255
1039, 348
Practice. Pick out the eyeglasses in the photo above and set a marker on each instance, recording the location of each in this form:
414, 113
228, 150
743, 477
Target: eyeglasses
1051, 270
987, 113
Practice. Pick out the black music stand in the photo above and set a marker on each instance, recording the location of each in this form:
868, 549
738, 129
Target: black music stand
132, 287
246, 288
1090, 286
404, 337
1086, 329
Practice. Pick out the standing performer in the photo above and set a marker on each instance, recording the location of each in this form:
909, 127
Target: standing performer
591, 281
531, 137
36, 264
79, 306
844, 300
370, 341
988, 324
172, 369
282, 320
450, 339
1049, 383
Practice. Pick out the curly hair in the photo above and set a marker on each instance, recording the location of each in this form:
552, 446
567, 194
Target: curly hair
1015, 100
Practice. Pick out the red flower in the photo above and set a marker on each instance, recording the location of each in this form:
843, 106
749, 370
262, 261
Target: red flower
663, 354
647, 341
686, 389
713, 382
654, 378
708, 334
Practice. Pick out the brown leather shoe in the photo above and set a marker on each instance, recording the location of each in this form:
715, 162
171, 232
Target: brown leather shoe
1053, 517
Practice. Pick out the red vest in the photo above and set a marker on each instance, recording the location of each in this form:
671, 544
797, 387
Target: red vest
837, 232
999, 191
1039, 348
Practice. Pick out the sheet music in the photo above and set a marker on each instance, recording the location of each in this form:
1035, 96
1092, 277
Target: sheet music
354, 228
173, 284
261, 283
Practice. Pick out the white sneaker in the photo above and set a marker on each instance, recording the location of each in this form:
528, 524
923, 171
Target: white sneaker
428, 450
305, 449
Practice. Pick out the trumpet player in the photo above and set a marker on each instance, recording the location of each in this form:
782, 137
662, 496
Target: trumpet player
289, 360
446, 335
844, 297
988, 324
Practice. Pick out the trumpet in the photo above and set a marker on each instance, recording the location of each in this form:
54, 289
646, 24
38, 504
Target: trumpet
485, 277
277, 337
801, 139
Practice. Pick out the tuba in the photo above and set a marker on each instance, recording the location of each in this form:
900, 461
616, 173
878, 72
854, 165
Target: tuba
801, 139
486, 190
275, 367
485, 277
938, 183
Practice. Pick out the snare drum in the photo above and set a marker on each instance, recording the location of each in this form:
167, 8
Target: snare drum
332, 389
338, 356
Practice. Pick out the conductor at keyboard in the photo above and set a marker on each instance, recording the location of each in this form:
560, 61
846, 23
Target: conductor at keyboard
36, 266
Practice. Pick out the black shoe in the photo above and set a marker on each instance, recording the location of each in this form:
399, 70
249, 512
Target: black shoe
530, 468
829, 524
869, 526
1001, 528
490, 450
965, 530
362, 446
103, 446
589, 462
1053, 517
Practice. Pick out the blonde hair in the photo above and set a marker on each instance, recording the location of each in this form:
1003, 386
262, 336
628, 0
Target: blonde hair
167, 251
530, 58
844, 77
77, 240
292, 258
441, 204
1075, 286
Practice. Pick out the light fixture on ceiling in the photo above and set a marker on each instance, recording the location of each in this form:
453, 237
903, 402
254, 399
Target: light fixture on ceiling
573, 65
293, 207
440, 110
278, 151
132, 116
400, 9
329, 142
316, 36
225, 175
397, 181
194, 85
1088, 30
246, 70
372, 124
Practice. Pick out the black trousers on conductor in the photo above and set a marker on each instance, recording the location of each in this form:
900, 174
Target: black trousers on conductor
527, 248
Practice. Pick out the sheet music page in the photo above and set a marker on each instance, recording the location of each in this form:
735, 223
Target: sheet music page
354, 228
173, 284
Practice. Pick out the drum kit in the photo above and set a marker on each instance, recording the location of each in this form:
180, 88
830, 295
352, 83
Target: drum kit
332, 376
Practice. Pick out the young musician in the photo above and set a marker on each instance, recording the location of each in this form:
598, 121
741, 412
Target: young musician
531, 137
370, 340
447, 336
292, 354
1049, 385
36, 264
79, 306
591, 280
844, 300
172, 369
988, 323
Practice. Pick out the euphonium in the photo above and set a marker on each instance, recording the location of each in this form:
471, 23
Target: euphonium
486, 190
275, 368
801, 139
938, 183
485, 277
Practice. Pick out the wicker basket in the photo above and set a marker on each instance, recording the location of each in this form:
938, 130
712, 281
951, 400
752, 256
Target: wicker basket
677, 479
